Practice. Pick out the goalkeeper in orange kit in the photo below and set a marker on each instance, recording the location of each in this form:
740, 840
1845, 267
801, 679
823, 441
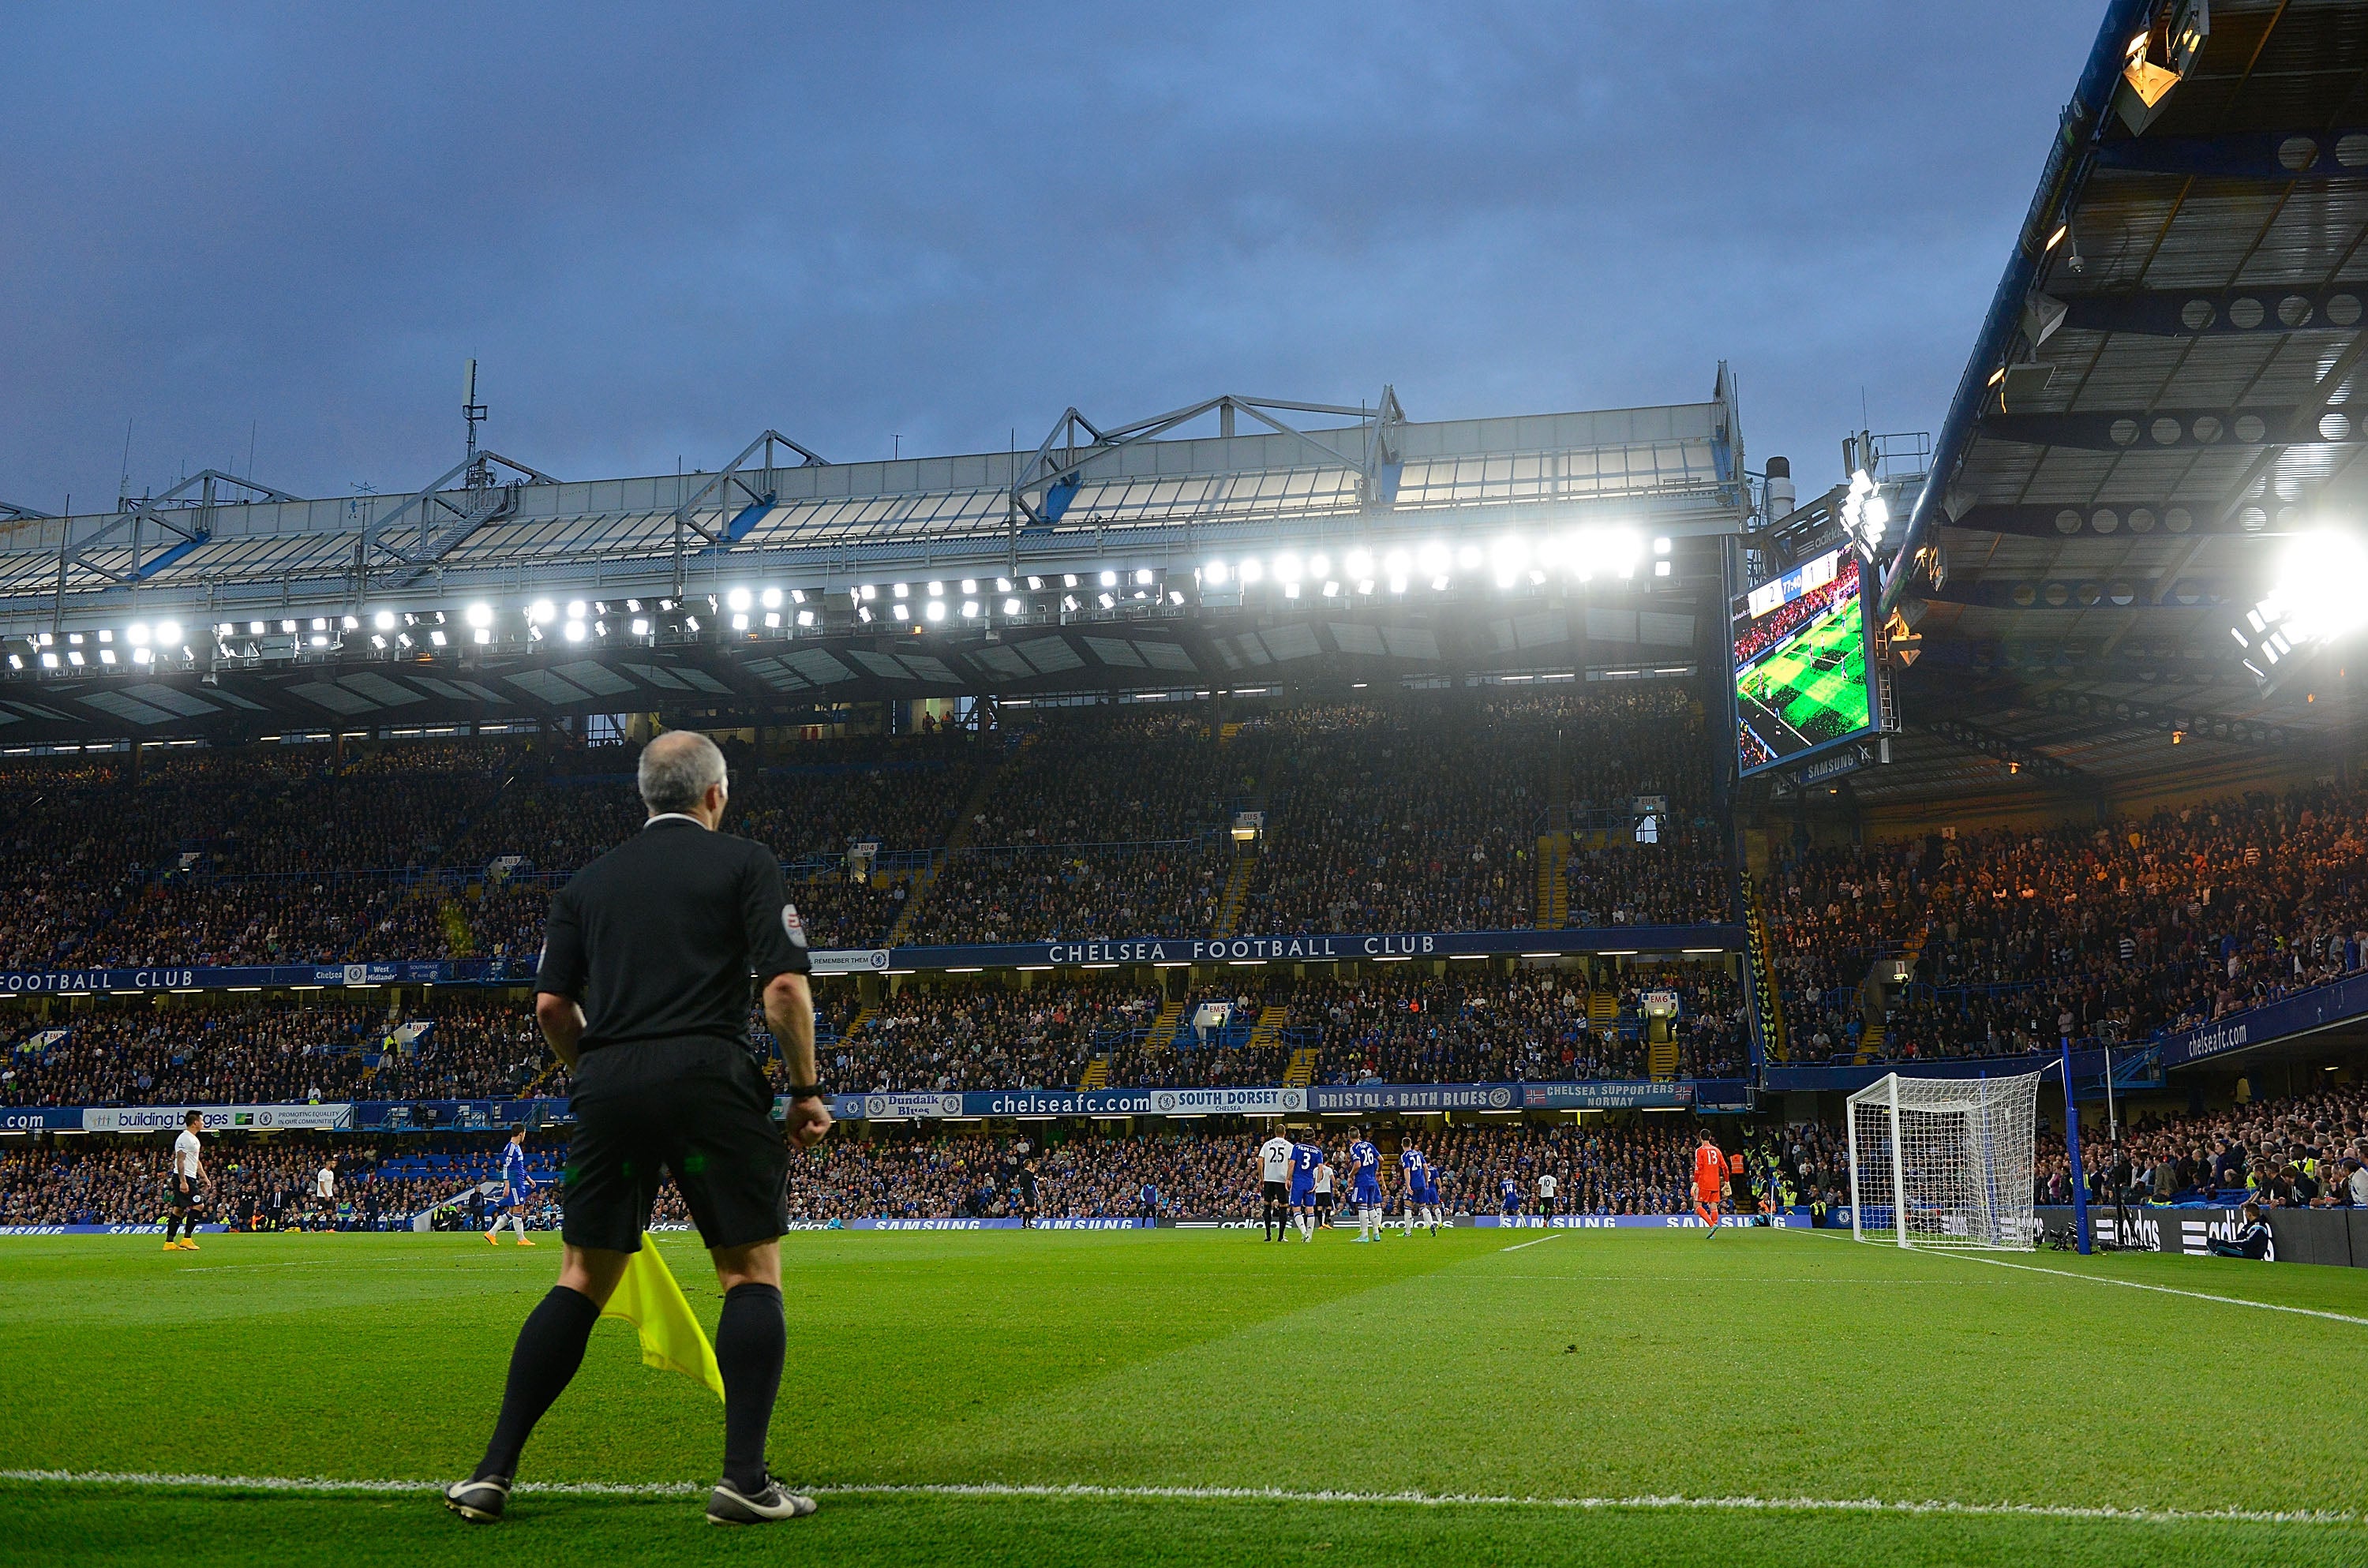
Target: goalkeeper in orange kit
1710, 1180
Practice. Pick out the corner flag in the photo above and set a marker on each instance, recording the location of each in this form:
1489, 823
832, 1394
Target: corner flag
672, 1341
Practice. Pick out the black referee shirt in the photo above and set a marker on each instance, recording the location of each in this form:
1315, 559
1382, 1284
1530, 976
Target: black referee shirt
657, 938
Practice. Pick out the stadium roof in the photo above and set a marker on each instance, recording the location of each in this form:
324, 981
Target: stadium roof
2163, 394
782, 581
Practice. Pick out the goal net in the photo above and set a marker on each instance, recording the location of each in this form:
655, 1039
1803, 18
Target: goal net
1943, 1162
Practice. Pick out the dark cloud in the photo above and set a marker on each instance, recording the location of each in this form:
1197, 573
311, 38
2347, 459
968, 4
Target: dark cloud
662, 229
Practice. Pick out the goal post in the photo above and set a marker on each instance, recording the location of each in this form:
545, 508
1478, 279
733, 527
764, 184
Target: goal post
1944, 1161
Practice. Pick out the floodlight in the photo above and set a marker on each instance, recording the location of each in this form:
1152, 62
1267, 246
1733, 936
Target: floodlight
574, 631
1661, 546
903, 590
805, 618
772, 619
1107, 602
1213, 574
867, 593
168, 631
1319, 565
319, 623
107, 656
900, 612
1359, 564
1143, 577
482, 636
348, 623
1253, 570
641, 629
937, 610
863, 615
480, 615
540, 613
136, 634
143, 655
2322, 588
1468, 558
1331, 589
1287, 569
797, 597
1035, 584
1069, 603
74, 659
255, 628
1434, 558
435, 637
49, 661
739, 623
1398, 564
937, 590
1110, 579
1661, 568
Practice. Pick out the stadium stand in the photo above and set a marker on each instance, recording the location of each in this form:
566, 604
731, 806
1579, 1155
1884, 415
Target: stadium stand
2111, 932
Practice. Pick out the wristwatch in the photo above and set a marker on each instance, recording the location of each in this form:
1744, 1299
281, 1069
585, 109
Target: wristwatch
808, 1092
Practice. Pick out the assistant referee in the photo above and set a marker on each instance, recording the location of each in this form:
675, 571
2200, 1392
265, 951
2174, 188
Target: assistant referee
644, 992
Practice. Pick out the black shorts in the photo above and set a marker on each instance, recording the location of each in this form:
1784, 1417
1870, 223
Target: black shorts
1545, 1206
183, 1197
1278, 1192
702, 1111
1323, 1201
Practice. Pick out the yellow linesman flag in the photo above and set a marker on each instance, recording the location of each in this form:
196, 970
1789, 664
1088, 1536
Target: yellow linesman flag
672, 1341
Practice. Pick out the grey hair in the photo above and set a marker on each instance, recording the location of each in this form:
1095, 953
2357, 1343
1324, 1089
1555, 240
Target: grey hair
676, 769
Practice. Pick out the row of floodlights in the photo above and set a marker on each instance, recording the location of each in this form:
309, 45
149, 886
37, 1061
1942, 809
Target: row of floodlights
1510, 563
141, 645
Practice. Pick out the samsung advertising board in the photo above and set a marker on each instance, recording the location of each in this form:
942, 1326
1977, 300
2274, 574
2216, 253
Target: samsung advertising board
1802, 662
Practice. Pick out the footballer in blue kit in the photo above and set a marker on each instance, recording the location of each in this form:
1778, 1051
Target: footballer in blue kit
518, 1189
1304, 1158
1508, 1194
1365, 1185
1413, 1171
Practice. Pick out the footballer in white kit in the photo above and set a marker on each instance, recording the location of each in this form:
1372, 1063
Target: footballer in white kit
1274, 1185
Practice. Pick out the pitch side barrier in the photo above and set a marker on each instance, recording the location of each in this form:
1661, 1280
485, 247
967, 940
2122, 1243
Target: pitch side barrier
1368, 946
2335, 1236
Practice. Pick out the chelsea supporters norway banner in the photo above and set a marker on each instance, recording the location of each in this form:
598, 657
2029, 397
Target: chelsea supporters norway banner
337, 1117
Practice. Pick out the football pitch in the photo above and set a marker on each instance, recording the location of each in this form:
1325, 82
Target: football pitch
1812, 689
1204, 1397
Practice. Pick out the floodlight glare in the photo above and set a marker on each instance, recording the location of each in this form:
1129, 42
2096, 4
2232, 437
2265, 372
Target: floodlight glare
435, 637
737, 599
739, 623
1398, 564
1287, 569
136, 634
2322, 588
901, 590
480, 615
1253, 570
1661, 547
1213, 574
574, 631
1319, 565
937, 590
1143, 577
1467, 559
969, 609
937, 610
805, 618
1107, 601
483, 635
542, 613
1331, 589
168, 631
900, 612
384, 621
1435, 558
1110, 579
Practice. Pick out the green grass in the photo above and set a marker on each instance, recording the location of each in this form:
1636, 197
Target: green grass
1817, 684
1602, 1365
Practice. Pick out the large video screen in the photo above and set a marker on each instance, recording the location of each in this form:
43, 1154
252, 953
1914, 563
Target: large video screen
1801, 662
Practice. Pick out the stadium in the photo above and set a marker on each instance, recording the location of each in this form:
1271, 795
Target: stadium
1841, 1023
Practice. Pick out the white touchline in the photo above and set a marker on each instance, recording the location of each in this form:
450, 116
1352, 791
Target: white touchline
2169, 1290
1549, 1236
988, 1488
2135, 1284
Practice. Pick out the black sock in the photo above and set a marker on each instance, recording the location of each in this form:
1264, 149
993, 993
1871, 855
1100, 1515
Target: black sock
751, 1339
550, 1348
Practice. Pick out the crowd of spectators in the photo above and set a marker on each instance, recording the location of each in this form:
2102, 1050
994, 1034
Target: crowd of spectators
2302, 1151
2111, 932
223, 1050
987, 1037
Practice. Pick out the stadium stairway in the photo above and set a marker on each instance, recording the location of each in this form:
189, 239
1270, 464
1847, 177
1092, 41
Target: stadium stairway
1767, 1002
1301, 1070
966, 824
1554, 885
1661, 1060
1603, 1008
456, 930
1270, 1020
1096, 1075
1165, 1024
1237, 893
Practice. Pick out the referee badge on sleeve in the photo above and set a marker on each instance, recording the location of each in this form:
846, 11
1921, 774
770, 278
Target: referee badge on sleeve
795, 928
